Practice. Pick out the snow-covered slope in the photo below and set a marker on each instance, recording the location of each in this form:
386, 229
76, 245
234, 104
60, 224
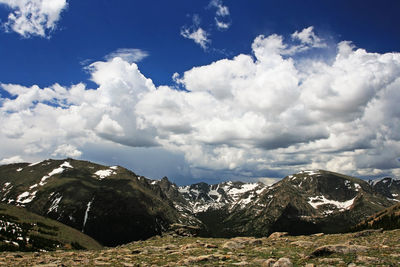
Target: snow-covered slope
202, 197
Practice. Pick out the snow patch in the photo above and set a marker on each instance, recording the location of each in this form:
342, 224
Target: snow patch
310, 172
104, 173
54, 204
184, 189
19, 169
33, 164
58, 170
33, 186
114, 168
66, 164
89, 204
317, 201
26, 197
357, 186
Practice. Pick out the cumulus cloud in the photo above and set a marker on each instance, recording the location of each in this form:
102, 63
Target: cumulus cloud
262, 114
33, 17
130, 55
14, 159
196, 33
66, 150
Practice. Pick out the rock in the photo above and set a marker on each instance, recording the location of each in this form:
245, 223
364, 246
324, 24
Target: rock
233, 245
310, 265
189, 246
210, 246
318, 234
269, 263
242, 263
222, 257
247, 240
184, 230
201, 258
367, 259
283, 262
258, 261
367, 232
278, 235
331, 260
338, 248
303, 244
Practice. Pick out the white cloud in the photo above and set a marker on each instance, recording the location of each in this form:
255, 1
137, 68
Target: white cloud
14, 159
33, 17
222, 25
257, 115
67, 150
197, 34
222, 10
222, 14
130, 55
109, 127
308, 37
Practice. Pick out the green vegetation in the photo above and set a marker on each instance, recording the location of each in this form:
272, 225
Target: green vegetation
21, 230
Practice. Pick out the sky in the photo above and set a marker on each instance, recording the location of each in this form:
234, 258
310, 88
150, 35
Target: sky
206, 90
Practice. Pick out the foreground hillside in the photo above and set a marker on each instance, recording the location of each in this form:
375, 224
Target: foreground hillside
21, 230
368, 248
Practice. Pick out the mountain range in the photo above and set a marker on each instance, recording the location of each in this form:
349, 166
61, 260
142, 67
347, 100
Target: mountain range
114, 205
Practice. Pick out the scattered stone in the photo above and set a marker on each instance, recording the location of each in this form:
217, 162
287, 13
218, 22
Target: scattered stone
331, 260
367, 259
367, 232
338, 248
242, 263
278, 235
210, 246
283, 262
233, 245
202, 258
318, 234
269, 263
190, 246
303, 244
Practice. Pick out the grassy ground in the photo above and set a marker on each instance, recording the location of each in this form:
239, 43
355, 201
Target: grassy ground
369, 249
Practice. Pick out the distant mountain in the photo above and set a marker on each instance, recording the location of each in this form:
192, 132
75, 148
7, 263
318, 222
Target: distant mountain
24, 231
302, 203
308, 202
116, 206
387, 186
387, 219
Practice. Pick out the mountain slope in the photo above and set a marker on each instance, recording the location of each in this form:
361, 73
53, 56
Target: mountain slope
387, 186
388, 219
24, 231
111, 204
304, 203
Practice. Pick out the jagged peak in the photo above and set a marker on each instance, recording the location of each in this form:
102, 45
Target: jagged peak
383, 180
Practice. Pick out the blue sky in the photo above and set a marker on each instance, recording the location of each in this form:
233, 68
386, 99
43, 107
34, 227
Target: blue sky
161, 38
